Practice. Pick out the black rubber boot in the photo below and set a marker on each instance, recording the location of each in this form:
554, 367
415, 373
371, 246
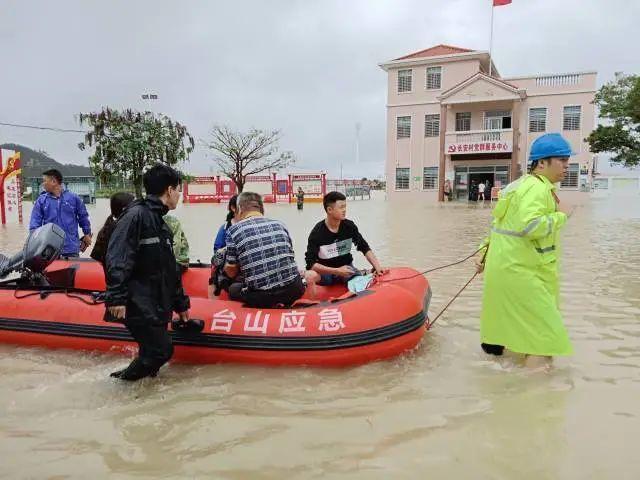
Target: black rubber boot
496, 350
136, 371
117, 373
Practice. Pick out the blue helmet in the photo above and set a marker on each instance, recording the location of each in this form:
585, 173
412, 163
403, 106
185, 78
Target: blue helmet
549, 145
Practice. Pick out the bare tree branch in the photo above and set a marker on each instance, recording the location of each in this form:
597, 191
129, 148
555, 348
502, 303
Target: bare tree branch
242, 154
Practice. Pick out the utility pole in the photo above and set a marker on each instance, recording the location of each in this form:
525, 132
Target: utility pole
358, 126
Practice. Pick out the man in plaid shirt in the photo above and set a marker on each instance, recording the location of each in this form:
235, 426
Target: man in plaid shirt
261, 250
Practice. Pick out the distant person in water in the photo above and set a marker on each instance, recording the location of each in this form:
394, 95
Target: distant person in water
300, 198
118, 202
447, 189
481, 188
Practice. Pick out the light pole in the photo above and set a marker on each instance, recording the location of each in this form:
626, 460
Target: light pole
149, 98
358, 126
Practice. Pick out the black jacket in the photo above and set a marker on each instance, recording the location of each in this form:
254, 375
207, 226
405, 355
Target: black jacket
99, 251
142, 272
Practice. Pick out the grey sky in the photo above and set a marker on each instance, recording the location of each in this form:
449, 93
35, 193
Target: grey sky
306, 67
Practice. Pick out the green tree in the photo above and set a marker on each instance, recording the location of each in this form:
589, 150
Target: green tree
239, 155
619, 102
128, 141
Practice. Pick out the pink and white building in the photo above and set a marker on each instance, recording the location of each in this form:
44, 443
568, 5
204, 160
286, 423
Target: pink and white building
449, 118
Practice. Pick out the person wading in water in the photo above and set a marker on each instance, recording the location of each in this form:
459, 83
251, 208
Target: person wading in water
520, 309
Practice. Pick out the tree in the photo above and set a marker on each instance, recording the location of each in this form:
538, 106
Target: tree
242, 154
127, 141
619, 102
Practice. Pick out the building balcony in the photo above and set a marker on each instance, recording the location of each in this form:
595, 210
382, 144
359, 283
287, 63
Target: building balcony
479, 141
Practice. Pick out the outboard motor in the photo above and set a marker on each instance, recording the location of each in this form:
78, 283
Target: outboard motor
42, 247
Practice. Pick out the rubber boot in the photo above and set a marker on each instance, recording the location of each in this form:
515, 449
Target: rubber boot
496, 350
135, 371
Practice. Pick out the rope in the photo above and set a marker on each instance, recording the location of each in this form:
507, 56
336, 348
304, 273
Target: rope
93, 301
430, 324
382, 280
44, 293
33, 294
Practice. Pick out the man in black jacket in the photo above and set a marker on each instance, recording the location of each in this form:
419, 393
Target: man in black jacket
144, 286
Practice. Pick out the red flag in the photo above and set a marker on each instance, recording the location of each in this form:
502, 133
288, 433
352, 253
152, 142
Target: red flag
499, 3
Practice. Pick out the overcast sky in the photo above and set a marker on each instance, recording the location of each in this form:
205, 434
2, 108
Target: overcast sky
309, 68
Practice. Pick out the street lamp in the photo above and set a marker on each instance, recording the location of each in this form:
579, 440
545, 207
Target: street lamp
358, 127
148, 98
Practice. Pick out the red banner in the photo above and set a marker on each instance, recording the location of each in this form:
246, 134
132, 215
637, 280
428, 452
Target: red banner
10, 188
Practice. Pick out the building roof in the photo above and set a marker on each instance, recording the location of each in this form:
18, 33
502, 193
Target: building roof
513, 89
436, 51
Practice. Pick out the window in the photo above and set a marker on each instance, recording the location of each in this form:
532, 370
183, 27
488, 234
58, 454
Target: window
571, 179
432, 125
463, 122
497, 120
571, 118
404, 127
434, 78
402, 178
430, 178
405, 79
537, 119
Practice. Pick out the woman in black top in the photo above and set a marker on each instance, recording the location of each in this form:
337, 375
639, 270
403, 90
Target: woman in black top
119, 201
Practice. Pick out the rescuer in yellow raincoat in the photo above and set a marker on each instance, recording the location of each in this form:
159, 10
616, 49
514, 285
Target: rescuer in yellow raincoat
520, 306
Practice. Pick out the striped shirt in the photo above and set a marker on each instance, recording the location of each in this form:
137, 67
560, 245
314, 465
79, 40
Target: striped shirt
263, 249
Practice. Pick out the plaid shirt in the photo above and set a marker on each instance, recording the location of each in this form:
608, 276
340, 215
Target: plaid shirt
262, 248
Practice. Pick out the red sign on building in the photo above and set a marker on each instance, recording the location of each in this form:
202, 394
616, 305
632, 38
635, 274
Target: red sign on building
478, 147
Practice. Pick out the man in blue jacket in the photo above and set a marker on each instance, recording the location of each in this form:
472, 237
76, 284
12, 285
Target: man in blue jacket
65, 209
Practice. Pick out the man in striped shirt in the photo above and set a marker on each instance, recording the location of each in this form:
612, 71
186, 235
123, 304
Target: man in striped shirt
260, 250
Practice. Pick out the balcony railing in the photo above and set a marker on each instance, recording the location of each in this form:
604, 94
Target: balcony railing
558, 80
482, 135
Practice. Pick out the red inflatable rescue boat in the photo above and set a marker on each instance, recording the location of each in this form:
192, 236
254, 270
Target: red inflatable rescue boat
335, 330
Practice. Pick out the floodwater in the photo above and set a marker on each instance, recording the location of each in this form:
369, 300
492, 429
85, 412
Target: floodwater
443, 411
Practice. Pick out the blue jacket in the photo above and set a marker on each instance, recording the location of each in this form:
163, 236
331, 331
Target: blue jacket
221, 238
67, 212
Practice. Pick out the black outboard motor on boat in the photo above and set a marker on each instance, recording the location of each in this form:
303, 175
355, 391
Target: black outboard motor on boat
42, 247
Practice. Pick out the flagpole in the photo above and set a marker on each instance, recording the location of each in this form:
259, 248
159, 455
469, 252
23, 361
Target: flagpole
491, 41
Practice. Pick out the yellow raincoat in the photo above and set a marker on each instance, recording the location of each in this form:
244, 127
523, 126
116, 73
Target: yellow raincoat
520, 307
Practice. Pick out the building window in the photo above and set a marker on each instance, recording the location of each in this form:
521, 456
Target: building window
402, 178
434, 78
463, 122
432, 125
571, 118
497, 120
430, 178
571, 179
405, 79
404, 127
537, 119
